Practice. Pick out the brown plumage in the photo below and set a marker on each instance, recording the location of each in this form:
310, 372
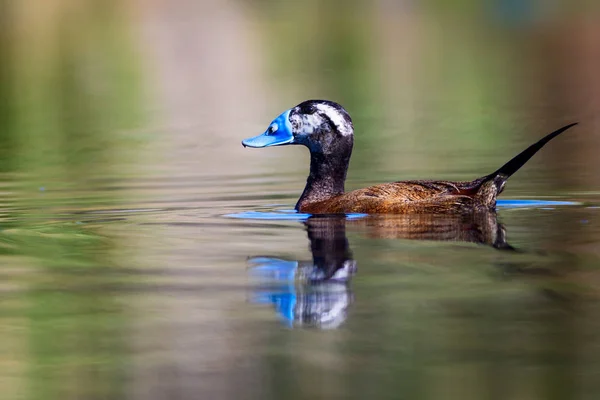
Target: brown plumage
408, 197
326, 129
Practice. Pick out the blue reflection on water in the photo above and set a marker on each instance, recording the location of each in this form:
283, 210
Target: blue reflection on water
292, 215
282, 291
534, 203
281, 215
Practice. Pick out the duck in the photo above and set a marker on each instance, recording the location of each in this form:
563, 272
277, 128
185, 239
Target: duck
326, 129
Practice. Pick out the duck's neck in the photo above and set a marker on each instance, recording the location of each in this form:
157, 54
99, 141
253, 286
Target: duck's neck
326, 179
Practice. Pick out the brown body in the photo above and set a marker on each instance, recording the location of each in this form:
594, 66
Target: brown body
410, 197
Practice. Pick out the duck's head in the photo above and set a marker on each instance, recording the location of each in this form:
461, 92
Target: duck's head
323, 126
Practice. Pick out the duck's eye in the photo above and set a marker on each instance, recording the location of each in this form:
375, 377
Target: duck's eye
272, 128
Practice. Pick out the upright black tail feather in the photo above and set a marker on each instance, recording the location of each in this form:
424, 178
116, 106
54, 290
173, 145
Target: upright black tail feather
519, 160
488, 187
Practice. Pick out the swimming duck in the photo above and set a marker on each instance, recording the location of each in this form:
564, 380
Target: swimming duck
325, 127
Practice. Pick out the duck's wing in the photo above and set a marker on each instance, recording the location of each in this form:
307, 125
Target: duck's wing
422, 190
399, 197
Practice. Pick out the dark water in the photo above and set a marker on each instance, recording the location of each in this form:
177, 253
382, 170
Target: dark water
144, 254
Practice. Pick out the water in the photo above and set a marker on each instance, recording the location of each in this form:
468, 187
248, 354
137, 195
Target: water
146, 255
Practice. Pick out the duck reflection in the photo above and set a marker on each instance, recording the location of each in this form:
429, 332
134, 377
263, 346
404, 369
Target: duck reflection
317, 293
310, 293
480, 227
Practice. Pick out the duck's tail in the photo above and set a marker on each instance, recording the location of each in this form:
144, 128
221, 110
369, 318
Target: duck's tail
488, 187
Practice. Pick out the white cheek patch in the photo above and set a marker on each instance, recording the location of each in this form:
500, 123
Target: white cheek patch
310, 123
337, 118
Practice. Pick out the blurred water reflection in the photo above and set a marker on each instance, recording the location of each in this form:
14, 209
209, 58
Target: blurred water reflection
313, 293
317, 294
120, 124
